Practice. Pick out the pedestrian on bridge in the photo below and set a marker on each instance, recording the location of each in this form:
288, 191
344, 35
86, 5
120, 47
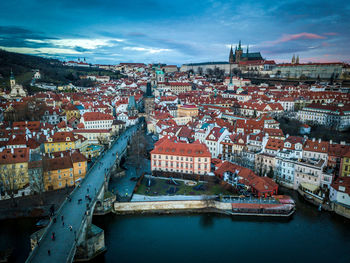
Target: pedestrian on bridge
49, 252
70, 228
62, 217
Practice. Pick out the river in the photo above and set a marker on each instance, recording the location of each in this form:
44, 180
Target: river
308, 236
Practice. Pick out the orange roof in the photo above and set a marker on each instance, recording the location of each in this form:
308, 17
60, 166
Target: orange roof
169, 147
97, 116
17, 155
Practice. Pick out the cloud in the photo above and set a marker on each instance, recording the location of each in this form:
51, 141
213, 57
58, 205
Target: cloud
40, 51
148, 50
84, 43
331, 34
287, 38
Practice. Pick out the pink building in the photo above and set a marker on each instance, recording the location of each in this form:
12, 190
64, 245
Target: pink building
189, 158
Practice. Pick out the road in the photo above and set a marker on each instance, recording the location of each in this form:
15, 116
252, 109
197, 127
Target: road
72, 212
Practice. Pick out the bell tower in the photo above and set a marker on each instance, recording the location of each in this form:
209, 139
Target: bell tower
12, 80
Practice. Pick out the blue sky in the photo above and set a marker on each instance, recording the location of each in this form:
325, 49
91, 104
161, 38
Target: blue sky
176, 32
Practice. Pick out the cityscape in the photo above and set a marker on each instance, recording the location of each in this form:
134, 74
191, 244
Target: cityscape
164, 131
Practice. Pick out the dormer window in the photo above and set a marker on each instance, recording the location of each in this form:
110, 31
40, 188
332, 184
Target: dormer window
67, 138
49, 139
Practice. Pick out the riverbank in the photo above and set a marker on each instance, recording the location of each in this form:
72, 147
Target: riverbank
246, 207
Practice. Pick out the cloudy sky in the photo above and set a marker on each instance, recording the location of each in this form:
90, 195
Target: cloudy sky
177, 31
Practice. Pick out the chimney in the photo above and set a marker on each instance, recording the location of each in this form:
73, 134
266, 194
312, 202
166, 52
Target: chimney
330, 142
343, 143
12, 151
61, 154
319, 140
313, 139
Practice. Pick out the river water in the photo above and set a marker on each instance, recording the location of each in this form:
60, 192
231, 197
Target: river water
308, 236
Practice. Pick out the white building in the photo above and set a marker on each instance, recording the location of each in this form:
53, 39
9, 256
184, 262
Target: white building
97, 120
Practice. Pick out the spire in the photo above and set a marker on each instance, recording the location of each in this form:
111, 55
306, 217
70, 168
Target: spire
12, 80
297, 61
247, 49
231, 58
239, 45
12, 76
293, 59
149, 90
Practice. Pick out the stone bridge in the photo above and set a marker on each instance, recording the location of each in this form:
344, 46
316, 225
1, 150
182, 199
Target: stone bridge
76, 238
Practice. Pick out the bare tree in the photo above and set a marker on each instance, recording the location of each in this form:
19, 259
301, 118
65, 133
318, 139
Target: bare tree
36, 179
103, 140
11, 180
137, 150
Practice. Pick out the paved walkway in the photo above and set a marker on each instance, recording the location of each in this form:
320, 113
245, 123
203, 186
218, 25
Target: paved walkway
145, 198
124, 186
72, 212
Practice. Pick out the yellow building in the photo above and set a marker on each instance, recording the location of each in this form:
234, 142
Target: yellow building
64, 171
345, 165
71, 111
14, 169
63, 141
187, 111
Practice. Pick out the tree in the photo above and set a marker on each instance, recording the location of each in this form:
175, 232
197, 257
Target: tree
270, 173
103, 140
137, 150
209, 72
11, 179
36, 179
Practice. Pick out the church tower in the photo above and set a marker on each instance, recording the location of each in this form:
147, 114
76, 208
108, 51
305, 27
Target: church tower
239, 52
148, 101
132, 108
12, 80
297, 60
231, 59
293, 59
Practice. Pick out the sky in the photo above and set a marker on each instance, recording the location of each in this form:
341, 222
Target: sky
177, 31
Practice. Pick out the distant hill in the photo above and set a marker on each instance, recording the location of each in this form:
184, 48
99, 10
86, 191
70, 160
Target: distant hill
52, 70
21, 63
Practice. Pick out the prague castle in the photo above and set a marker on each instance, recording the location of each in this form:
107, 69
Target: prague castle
234, 59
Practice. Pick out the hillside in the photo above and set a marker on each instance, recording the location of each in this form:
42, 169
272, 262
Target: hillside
52, 70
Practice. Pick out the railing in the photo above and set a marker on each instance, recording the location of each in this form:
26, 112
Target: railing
34, 251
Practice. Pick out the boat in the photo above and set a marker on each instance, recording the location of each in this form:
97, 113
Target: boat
279, 205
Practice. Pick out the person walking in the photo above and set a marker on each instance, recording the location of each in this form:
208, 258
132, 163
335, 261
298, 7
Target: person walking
49, 252
62, 217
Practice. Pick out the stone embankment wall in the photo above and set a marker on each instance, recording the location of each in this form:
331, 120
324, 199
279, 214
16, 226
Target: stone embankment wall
168, 206
342, 210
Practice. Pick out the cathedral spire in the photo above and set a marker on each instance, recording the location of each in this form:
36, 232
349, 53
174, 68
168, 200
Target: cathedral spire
239, 45
297, 60
293, 59
231, 58
247, 49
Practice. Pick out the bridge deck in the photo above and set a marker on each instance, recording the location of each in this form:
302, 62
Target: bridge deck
74, 213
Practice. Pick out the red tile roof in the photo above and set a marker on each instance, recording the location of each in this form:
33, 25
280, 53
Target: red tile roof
169, 147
